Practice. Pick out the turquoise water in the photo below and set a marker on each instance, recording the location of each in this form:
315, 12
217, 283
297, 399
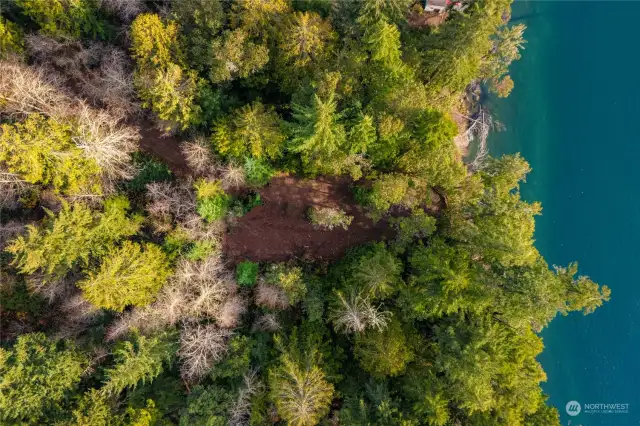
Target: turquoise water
574, 115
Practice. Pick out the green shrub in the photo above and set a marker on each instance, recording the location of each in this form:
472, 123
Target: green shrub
213, 208
247, 273
200, 250
149, 170
258, 172
288, 278
245, 204
329, 218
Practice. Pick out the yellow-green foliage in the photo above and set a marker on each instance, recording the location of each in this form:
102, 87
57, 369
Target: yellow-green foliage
235, 47
138, 361
35, 377
164, 83
41, 151
129, 275
300, 390
288, 278
64, 18
306, 38
386, 352
389, 190
72, 238
11, 39
257, 16
252, 130
153, 42
207, 188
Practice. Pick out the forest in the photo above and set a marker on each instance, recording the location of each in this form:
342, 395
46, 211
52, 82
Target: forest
260, 212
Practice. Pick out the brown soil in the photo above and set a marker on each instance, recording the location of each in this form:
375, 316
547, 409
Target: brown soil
165, 147
279, 229
421, 19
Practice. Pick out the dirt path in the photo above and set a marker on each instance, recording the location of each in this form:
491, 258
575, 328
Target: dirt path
279, 229
165, 148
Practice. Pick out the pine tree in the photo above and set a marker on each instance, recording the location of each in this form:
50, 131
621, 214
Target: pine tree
318, 134
41, 151
70, 239
36, 376
129, 275
299, 389
139, 360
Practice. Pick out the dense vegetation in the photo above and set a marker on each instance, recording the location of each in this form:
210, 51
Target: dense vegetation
117, 305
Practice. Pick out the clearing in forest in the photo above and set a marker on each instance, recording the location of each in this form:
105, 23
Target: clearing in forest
279, 229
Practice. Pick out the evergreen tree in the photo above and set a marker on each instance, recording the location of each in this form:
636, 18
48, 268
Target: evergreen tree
299, 388
128, 275
253, 131
235, 55
73, 237
41, 150
139, 360
318, 135
36, 376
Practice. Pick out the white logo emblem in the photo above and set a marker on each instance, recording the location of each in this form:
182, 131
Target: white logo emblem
573, 408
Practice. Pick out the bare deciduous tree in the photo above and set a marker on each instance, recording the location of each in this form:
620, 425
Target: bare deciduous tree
107, 142
356, 314
11, 189
49, 287
201, 346
199, 157
100, 72
25, 90
171, 202
266, 322
271, 296
233, 176
76, 315
230, 312
241, 409
124, 9
110, 83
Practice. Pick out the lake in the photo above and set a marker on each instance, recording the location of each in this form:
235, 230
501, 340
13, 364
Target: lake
573, 116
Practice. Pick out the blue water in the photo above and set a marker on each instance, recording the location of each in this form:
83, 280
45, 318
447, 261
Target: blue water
574, 116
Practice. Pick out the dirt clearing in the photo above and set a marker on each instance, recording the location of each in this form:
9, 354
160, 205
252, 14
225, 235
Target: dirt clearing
279, 229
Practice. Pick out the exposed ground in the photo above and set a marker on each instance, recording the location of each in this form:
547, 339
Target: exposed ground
279, 229
164, 147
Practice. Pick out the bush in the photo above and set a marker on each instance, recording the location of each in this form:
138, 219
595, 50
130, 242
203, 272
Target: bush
247, 273
258, 172
213, 208
245, 204
288, 279
149, 170
329, 218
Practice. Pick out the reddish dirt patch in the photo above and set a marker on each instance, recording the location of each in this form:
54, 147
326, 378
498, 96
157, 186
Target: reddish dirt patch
421, 19
164, 147
279, 229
